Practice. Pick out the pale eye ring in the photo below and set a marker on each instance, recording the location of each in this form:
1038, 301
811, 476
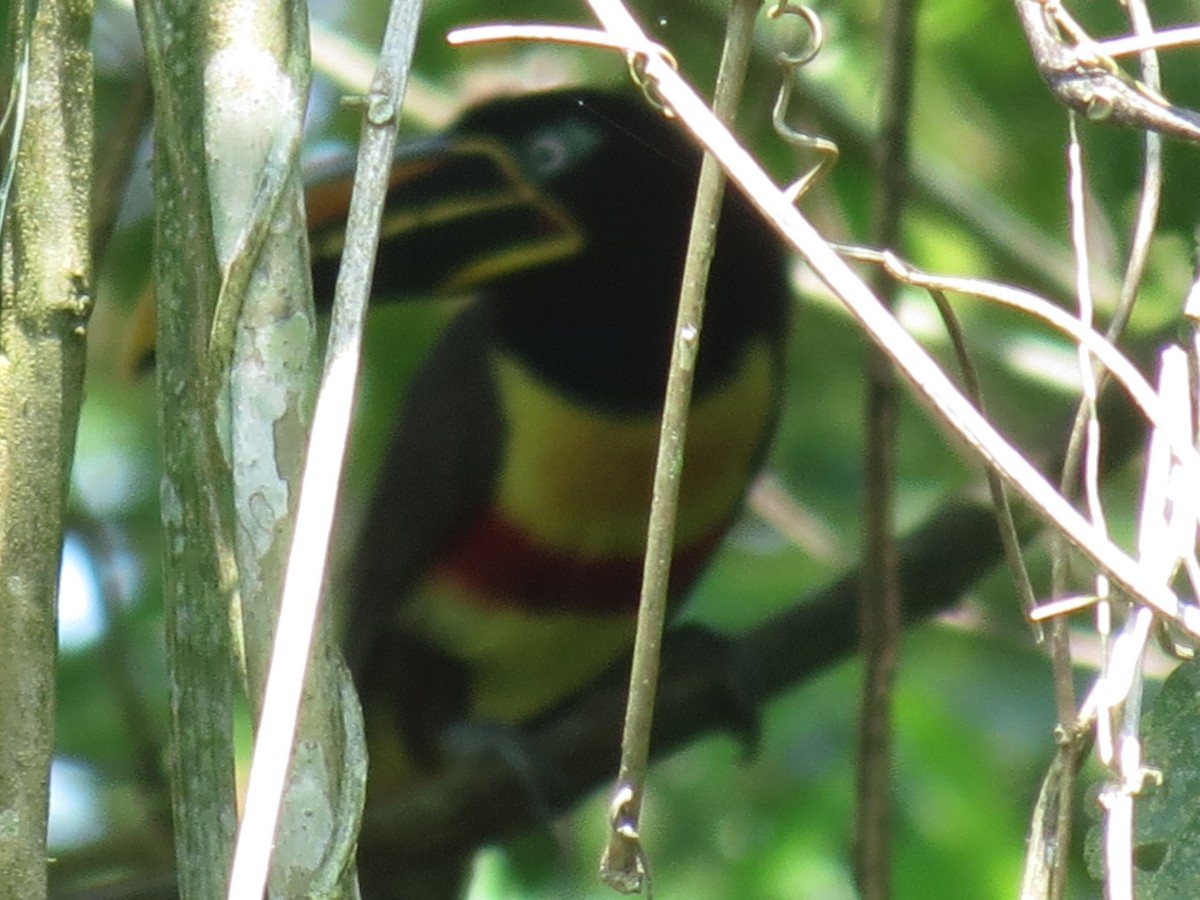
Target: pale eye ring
548, 153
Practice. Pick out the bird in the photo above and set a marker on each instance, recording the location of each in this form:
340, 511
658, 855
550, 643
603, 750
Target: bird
498, 563
499, 566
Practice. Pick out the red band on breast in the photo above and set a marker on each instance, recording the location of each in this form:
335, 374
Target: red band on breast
501, 565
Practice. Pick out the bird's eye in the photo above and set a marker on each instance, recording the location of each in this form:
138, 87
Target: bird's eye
548, 153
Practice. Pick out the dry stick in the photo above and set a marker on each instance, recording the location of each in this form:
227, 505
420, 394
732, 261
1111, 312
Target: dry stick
879, 602
326, 449
1147, 41
1086, 415
623, 864
1143, 231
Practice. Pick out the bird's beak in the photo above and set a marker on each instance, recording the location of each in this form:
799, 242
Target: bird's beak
459, 213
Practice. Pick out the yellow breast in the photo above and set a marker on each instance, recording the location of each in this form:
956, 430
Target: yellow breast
577, 482
580, 480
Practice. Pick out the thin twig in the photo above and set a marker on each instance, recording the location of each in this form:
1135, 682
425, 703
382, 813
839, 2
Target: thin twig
1122, 370
623, 864
567, 34
1148, 41
1005, 521
880, 601
1090, 447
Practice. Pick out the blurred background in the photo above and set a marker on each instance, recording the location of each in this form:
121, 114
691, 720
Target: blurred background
974, 702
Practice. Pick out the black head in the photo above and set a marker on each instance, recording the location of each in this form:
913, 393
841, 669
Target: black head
598, 322
568, 211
